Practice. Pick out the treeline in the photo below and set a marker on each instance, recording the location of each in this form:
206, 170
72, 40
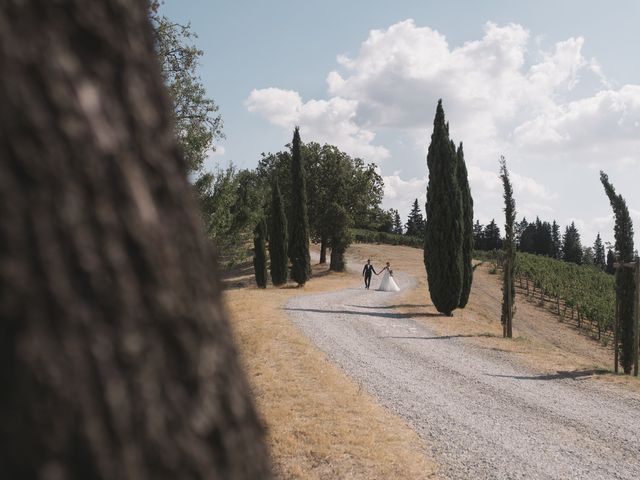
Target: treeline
544, 238
340, 192
317, 188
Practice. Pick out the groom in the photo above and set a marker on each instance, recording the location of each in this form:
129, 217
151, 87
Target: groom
366, 273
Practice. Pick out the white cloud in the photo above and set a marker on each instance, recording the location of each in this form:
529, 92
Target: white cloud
213, 157
605, 126
324, 121
503, 94
400, 194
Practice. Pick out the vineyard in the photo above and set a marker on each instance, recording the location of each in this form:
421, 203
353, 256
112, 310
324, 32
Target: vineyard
577, 293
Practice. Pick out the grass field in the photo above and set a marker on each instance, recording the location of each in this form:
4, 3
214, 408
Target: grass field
320, 424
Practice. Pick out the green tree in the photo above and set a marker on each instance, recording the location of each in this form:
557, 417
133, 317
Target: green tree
415, 221
588, 257
195, 115
509, 267
478, 236
519, 229
363, 183
278, 237
611, 260
492, 240
599, 258
571, 245
397, 222
340, 237
556, 242
260, 254
467, 223
444, 227
625, 282
298, 218
335, 219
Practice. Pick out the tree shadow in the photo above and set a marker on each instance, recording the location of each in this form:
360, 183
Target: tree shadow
389, 307
396, 316
443, 337
559, 375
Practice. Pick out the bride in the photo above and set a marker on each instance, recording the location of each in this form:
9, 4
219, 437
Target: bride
388, 284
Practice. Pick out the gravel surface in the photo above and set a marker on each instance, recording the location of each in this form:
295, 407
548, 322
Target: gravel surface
482, 416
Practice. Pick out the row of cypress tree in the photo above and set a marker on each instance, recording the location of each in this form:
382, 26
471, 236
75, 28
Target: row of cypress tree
288, 240
448, 247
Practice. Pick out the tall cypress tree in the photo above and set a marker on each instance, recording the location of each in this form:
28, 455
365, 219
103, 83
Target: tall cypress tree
278, 238
508, 288
467, 224
599, 258
260, 254
625, 282
611, 259
444, 230
556, 243
298, 220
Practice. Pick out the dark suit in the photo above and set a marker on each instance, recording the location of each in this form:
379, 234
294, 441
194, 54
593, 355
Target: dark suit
366, 271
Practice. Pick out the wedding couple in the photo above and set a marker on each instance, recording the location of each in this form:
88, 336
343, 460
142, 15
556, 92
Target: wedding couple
387, 284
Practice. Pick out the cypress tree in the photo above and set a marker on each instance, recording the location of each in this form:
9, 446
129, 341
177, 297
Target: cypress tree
625, 282
278, 241
611, 259
599, 258
298, 220
467, 224
556, 244
260, 254
444, 232
508, 289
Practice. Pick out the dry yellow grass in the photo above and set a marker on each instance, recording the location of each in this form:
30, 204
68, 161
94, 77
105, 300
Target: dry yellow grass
320, 424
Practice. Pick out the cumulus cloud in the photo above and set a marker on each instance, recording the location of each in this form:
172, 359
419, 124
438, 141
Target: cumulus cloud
606, 125
503, 93
324, 121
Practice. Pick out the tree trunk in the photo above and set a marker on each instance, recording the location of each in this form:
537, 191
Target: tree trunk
323, 250
116, 357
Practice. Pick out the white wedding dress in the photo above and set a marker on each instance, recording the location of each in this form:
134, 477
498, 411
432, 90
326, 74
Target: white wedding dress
388, 284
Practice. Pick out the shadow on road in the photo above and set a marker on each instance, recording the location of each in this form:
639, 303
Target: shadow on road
389, 307
367, 314
443, 337
559, 375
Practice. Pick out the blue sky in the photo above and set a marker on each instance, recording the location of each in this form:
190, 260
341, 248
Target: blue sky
554, 86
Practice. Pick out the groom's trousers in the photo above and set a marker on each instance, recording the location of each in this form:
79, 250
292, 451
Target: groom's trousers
367, 280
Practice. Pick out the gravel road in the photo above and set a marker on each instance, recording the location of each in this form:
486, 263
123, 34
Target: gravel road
482, 416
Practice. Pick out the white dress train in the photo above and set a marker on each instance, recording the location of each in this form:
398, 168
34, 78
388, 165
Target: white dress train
388, 284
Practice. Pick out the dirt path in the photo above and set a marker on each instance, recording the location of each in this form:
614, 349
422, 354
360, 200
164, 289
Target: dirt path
483, 415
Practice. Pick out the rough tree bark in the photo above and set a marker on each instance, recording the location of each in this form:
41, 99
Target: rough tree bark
116, 360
